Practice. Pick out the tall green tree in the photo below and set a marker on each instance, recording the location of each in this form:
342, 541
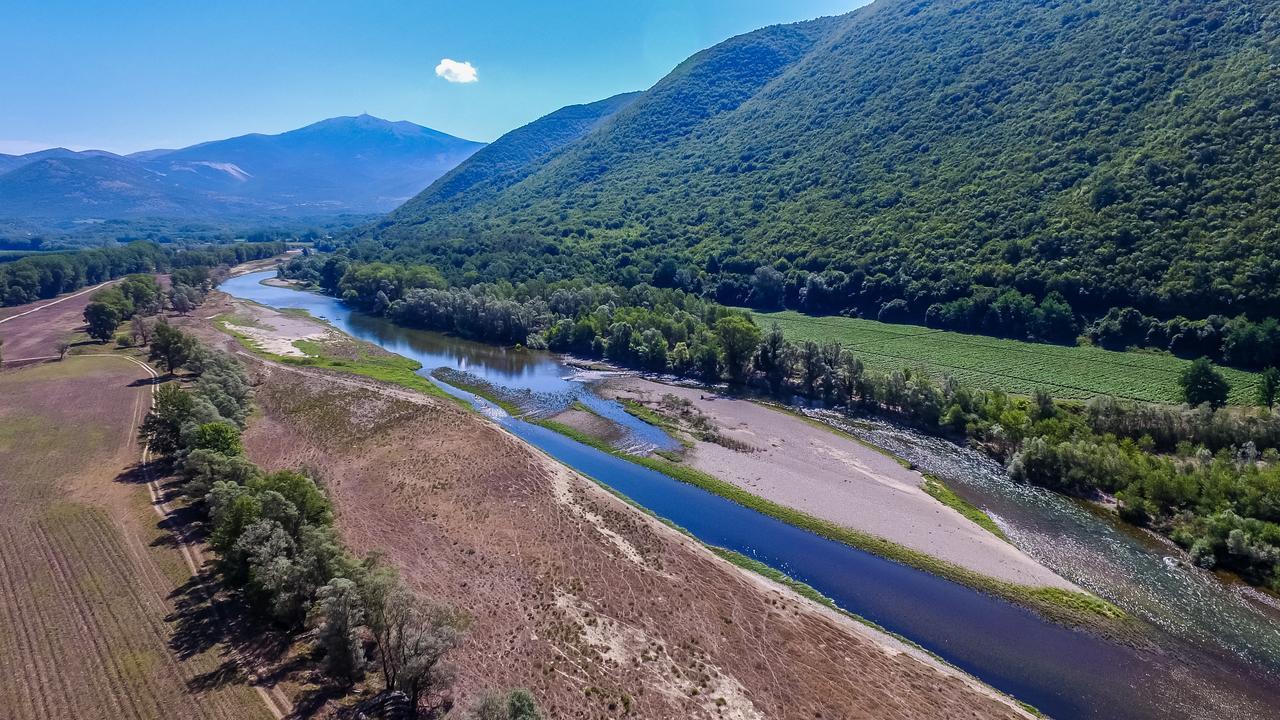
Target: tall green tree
1202, 383
162, 427
102, 319
1269, 387
219, 437
171, 346
340, 611
774, 358
739, 338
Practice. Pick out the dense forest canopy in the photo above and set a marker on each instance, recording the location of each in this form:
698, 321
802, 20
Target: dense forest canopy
1011, 167
46, 275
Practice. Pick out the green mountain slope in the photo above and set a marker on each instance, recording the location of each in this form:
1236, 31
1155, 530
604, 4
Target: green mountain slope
511, 158
1118, 152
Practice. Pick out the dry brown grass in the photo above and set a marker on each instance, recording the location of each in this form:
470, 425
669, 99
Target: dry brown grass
597, 608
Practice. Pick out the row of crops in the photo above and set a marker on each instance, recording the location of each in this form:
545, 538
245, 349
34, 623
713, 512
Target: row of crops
1010, 365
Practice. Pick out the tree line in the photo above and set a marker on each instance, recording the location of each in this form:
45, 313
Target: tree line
276, 544
1181, 470
46, 275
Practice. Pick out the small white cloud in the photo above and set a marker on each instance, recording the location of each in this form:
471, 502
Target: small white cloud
456, 72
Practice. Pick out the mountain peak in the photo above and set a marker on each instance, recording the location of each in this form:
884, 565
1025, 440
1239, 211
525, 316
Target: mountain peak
348, 164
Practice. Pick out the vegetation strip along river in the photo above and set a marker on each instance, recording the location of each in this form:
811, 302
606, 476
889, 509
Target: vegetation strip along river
1065, 672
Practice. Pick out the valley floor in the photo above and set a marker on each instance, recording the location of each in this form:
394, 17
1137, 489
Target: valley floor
1065, 371
595, 606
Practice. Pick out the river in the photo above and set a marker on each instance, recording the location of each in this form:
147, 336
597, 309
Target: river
1192, 666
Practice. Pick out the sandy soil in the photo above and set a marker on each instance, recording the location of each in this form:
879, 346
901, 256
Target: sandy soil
589, 423
275, 332
597, 608
835, 478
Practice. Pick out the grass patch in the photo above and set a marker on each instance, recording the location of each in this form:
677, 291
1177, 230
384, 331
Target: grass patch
947, 496
642, 412
362, 359
1073, 372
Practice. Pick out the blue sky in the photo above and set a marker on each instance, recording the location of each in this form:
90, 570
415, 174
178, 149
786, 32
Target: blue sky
128, 75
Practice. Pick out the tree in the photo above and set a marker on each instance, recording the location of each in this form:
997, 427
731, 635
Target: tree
144, 293
413, 639
140, 330
162, 427
202, 468
171, 346
774, 357
849, 378
1268, 387
184, 298
340, 612
767, 288
1202, 383
220, 437
102, 319
62, 347
739, 338
300, 490
812, 366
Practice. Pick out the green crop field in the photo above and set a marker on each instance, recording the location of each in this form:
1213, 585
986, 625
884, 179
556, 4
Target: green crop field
1010, 365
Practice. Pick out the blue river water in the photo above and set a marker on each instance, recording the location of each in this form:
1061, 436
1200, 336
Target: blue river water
1064, 672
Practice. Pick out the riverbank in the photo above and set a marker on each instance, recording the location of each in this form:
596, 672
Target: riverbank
1069, 607
784, 459
1066, 672
575, 594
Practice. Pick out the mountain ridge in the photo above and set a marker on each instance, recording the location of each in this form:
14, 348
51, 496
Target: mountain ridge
347, 164
922, 159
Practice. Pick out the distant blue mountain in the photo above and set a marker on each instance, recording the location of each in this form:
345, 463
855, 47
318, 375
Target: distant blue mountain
342, 165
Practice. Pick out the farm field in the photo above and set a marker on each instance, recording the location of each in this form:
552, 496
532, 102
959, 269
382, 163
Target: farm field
99, 615
1017, 367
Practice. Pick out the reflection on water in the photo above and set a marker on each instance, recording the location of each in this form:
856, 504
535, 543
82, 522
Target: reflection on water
1065, 672
543, 381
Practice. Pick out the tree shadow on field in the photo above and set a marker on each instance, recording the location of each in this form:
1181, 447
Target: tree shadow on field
207, 620
144, 382
182, 524
312, 700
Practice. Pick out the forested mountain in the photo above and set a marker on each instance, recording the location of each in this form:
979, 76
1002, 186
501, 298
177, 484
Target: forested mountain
512, 157
918, 160
356, 164
96, 186
341, 165
13, 162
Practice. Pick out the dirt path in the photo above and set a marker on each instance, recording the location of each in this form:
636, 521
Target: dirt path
24, 312
784, 459
277, 703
